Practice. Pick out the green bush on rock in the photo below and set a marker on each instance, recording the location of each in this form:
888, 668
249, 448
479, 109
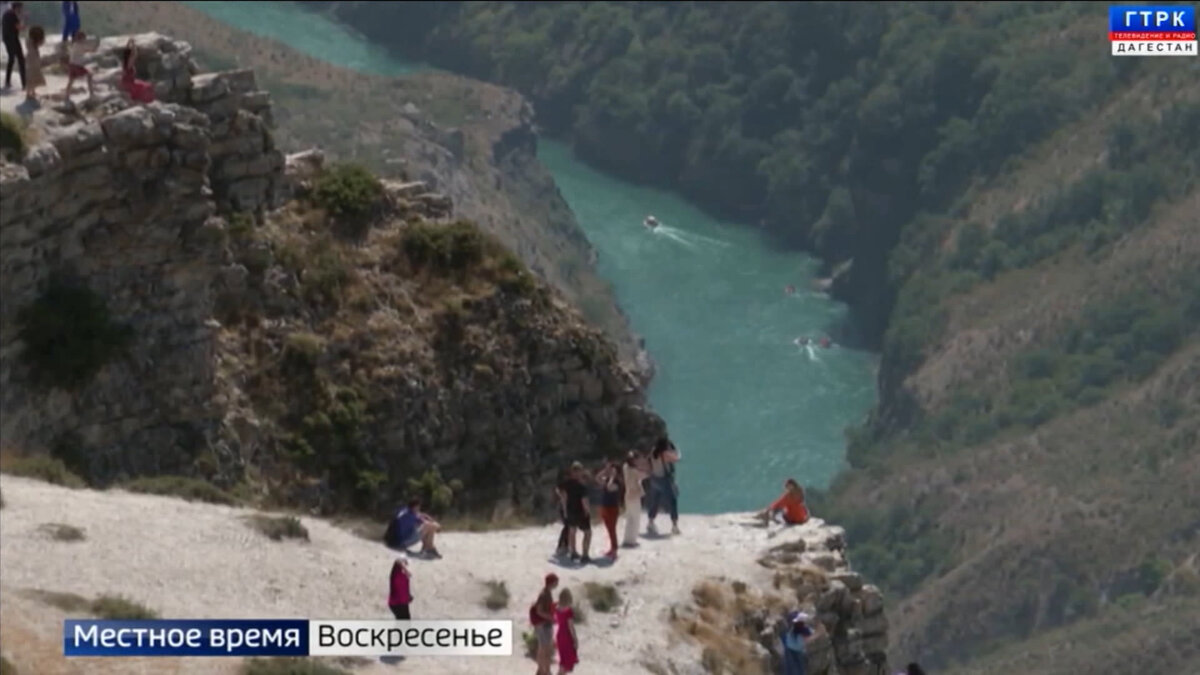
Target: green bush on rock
347, 190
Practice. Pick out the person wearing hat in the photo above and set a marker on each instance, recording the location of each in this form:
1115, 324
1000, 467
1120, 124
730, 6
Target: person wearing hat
400, 596
796, 636
541, 616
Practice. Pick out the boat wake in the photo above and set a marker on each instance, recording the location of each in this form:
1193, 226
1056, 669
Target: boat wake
689, 239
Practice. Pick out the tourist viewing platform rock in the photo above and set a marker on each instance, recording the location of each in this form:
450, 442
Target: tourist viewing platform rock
707, 601
189, 319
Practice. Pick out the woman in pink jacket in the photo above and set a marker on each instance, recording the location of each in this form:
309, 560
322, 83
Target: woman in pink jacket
400, 596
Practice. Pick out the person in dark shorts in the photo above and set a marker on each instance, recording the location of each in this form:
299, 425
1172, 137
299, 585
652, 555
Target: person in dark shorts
579, 516
10, 24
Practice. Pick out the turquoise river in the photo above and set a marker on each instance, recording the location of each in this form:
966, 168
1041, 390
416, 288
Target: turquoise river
746, 405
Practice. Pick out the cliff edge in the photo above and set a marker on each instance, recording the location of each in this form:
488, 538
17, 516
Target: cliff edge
707, 601
177, 303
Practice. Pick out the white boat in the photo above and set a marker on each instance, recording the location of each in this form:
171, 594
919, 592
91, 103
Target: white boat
650, 222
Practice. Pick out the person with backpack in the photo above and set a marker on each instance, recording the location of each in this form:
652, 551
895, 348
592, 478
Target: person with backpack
609, 480
541, 617
399, 595
409, 526
796, 637
663, 490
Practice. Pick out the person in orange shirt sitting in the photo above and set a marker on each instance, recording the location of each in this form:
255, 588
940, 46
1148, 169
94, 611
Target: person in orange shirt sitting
790, 505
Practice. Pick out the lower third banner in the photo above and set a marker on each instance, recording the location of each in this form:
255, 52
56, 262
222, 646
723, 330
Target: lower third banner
286, 637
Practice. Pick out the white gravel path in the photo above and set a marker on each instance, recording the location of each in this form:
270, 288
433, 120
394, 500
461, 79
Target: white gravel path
190, 560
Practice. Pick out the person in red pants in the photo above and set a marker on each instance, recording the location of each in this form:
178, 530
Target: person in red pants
609, 479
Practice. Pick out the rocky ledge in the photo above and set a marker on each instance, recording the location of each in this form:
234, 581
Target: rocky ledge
158, 218
739, 626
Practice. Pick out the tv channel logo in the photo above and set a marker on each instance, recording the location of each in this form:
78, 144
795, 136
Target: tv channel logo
1152, 30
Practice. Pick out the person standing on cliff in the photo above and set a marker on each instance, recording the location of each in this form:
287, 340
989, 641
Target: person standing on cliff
609, 480
71, 21
579, 516
663, 490
541, 617
399, 595
10, 28
634, 475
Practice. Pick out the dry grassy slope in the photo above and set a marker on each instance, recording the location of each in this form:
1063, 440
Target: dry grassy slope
1163, 639
1026, 307
1084, 498
353, 115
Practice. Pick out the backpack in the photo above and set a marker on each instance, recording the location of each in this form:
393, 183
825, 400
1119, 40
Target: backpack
390, 536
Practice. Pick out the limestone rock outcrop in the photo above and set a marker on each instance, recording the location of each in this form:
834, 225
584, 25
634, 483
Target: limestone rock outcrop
139, 204
810, 574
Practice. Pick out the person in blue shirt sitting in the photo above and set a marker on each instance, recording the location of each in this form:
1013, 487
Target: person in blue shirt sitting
409, 526
796, 637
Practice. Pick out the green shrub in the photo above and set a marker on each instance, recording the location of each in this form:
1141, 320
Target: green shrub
289, 666
602, 597
531, 644
184, 487
347, 191
327, 437
278, 528
48, 469
303, 348
497, 595
241, 225
69, 335
12, 135
120, 608
434, 491
455, 247
6, 667
514, 277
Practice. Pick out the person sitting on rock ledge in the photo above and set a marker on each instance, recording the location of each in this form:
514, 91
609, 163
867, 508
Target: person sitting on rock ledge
140, 91
410, 526
790, 506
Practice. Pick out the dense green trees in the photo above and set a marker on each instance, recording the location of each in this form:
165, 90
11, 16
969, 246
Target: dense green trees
835, 124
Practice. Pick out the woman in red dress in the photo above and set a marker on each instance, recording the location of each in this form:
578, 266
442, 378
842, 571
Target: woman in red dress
140, 91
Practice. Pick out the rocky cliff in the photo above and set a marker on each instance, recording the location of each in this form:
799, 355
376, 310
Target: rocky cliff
739, 628
174, 306
467, 139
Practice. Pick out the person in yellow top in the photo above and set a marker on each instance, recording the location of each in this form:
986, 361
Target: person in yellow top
790, 505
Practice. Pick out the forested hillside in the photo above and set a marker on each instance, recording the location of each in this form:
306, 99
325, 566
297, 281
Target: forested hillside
1018, 211
835, 124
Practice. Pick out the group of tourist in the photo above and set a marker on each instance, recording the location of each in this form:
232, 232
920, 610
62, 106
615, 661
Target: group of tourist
637, 481
74, 49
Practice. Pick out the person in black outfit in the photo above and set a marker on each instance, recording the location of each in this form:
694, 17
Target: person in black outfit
11, 29
579, 517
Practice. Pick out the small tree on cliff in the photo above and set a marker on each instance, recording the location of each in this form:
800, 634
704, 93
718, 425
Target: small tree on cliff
434, 490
